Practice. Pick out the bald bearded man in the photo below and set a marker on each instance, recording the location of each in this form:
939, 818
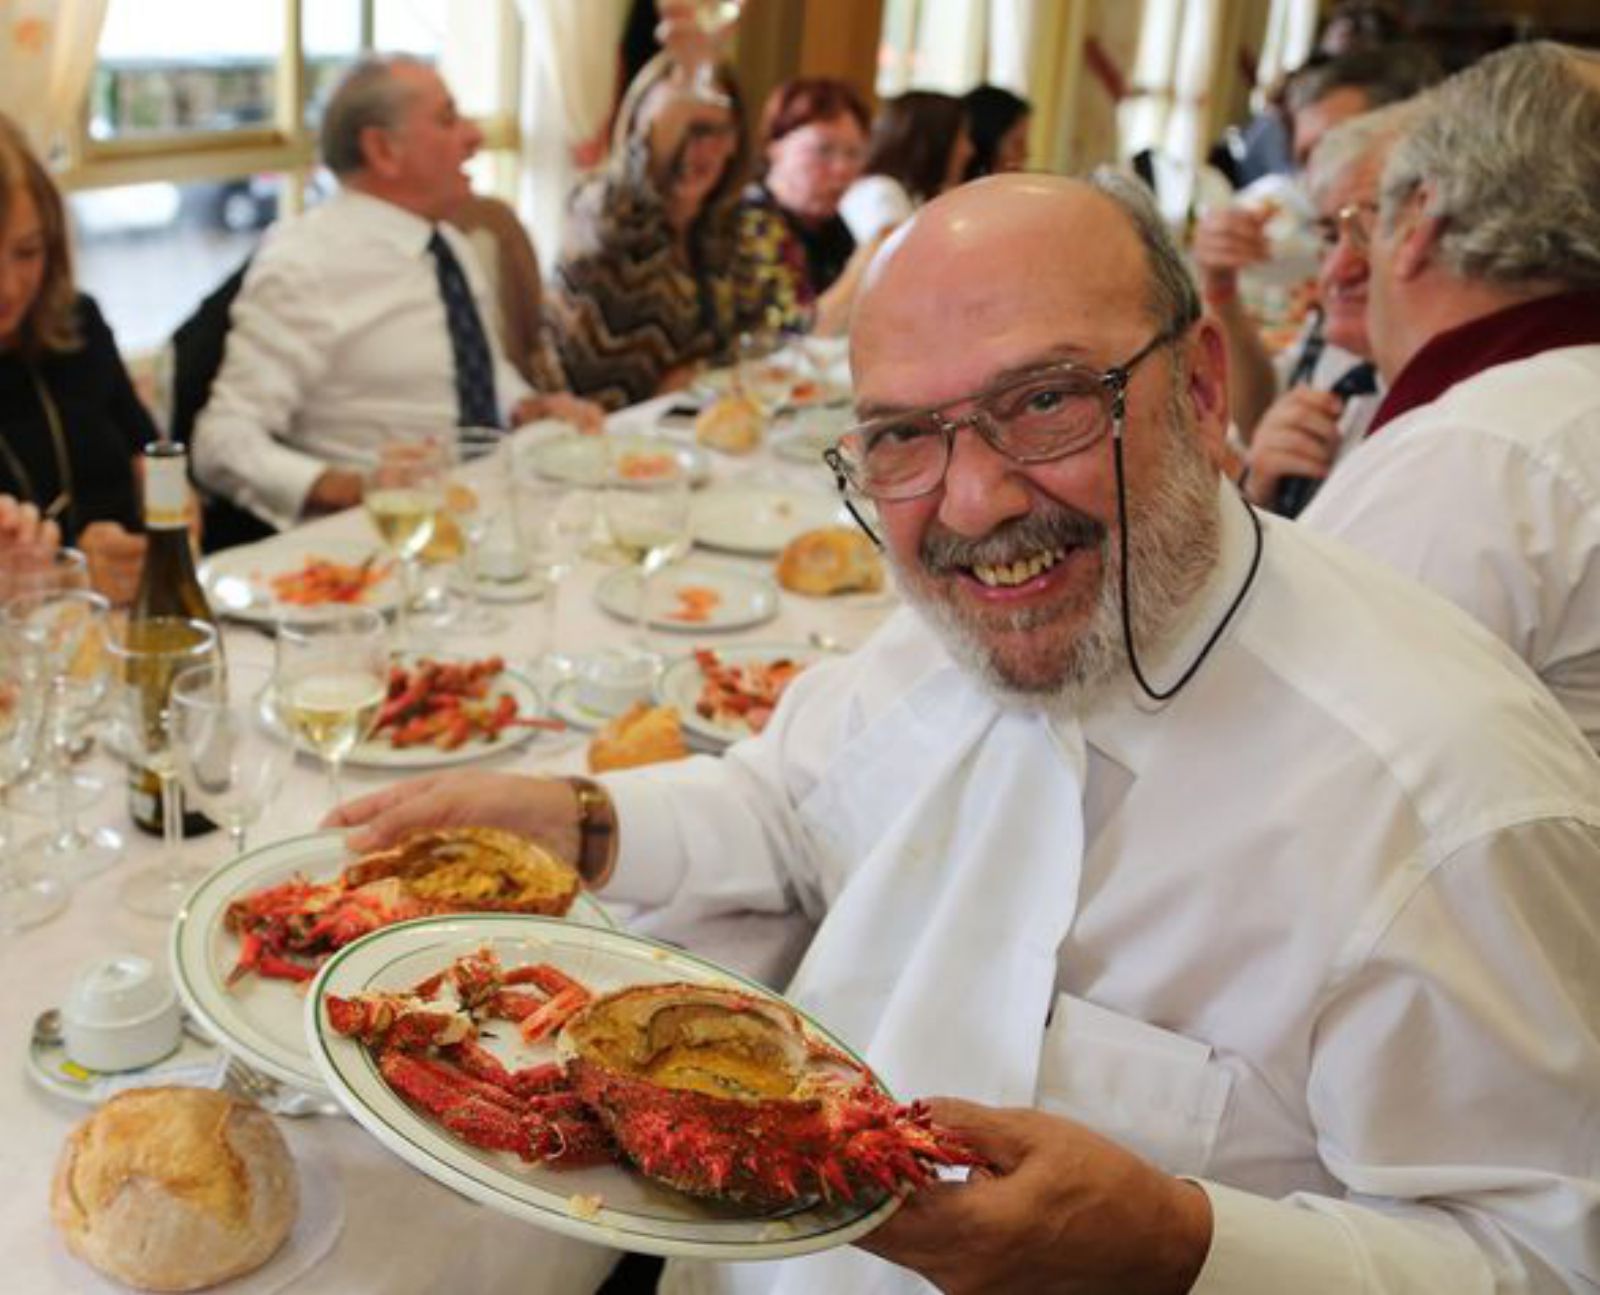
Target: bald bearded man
1232, 885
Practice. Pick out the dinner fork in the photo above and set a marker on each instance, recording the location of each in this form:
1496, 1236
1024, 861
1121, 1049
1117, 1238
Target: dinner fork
274, 1097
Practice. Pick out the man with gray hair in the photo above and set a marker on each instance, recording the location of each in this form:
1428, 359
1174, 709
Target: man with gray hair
1240, 892
364, 314
1481, 474
1331, 389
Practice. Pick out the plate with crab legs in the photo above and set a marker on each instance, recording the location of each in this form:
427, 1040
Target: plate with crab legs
615, 1089
245, 998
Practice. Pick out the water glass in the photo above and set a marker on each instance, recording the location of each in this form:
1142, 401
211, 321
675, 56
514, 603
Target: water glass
148, 654
648, 518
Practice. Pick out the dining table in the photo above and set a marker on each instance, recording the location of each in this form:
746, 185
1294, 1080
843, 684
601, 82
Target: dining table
368, 1221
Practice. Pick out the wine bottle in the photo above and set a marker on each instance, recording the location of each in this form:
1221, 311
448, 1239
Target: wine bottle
168, 587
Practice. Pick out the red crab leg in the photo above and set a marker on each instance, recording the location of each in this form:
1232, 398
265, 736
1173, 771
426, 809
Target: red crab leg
481, 1122
554, 1014
255, 956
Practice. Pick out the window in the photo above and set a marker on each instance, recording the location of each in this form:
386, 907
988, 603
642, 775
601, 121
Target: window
200, 129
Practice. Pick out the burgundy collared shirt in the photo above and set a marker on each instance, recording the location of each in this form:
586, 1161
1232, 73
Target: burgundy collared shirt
1515, 333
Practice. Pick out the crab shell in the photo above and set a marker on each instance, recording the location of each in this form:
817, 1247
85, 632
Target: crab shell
472, 869
721, 1093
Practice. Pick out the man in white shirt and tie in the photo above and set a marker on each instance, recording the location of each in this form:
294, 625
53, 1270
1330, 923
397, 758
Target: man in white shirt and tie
1245, 893
368, 311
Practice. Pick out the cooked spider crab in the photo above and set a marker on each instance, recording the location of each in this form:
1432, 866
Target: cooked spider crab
286, 930
716, 1092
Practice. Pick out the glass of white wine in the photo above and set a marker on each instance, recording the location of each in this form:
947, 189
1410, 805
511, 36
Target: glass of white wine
147, 654
648, 518
403, 495
715, 18
330, 680
233, 746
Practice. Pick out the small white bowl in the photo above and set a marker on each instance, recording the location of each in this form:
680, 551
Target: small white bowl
611, 681
121, 1014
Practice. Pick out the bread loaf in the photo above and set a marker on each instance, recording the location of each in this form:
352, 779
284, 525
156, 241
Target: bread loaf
831, 560
175, 1189
640, 735
731, 424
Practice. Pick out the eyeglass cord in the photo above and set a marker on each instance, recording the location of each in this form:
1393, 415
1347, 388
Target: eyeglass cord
1123, 587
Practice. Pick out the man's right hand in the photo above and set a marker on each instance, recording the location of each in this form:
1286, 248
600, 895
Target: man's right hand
1225, 242
545, 809
335, 490
116, 560
22, 529
1298, 436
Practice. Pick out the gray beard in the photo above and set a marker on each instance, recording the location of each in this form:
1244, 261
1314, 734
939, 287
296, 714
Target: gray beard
1174, 537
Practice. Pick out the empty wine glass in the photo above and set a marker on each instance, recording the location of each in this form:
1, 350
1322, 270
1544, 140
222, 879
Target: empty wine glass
147, 655
331, 678
43, 573
648, 518
26, 898
232, 744
554, 522
403, 493
68, 629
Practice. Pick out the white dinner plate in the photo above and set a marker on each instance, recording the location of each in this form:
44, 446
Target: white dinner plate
680, 684
631, 1212
585, 460
744, 599
258, 1019
566, 706
759, 520
805, 392
238, 582
377, 753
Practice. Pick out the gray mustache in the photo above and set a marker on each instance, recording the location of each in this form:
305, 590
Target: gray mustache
942, 551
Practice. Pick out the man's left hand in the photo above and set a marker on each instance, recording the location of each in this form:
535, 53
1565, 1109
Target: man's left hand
1065, 1211
585, 415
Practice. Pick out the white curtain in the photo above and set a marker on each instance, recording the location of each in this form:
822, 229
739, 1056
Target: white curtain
569, 82
1291, 28
47, 54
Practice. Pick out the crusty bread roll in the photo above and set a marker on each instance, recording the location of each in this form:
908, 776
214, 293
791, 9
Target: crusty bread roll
731, 424
642, 734
831, 560
174, 1189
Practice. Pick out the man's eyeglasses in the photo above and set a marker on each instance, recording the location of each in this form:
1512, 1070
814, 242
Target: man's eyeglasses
1352, 221
1049, 413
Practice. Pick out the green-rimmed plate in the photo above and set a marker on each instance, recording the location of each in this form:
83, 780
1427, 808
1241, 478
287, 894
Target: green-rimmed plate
606, 1204
257, 1019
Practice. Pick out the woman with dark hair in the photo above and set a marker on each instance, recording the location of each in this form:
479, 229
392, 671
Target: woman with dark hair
800, 262
645, 286
71, 425
919, 149
997, 121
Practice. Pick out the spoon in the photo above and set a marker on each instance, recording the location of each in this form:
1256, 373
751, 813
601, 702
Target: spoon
47, 1031
826, 642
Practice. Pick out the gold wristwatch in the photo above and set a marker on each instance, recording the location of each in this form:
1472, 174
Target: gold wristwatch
597, 832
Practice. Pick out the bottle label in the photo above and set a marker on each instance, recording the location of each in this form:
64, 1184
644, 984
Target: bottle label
166, 491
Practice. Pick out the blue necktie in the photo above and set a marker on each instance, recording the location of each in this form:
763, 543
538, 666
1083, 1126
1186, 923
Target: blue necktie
1294, 493
475, 398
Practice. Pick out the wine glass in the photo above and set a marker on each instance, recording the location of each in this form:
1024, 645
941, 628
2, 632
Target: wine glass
26, 899
232, 744
403, 493
147, 655
648, 518
762, 375
469, 507
68, 629
331, 678
713, 18
37, 573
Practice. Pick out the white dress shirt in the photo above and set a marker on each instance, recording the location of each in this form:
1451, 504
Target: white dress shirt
1490, 495
1334, 933
338, 332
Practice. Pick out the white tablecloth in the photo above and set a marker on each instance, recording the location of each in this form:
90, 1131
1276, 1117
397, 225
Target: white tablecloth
402, 1233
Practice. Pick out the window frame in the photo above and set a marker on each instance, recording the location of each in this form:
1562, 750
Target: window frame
287, 146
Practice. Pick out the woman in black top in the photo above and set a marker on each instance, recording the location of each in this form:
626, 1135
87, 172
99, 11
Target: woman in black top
71, 426
795, 248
